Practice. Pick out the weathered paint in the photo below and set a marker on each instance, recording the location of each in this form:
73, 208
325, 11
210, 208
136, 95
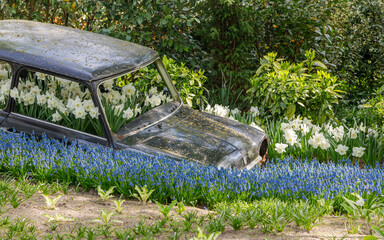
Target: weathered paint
69, 52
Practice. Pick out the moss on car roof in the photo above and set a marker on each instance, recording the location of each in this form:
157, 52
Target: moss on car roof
70, 52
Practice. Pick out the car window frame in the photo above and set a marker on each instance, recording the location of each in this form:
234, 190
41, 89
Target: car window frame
11, 103
164, 76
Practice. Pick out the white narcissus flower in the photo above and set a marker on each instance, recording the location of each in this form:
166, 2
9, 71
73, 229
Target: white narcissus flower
137, 110
94, 112
352, 134
284, 126
362, 127
129, 90
41, 99
255, 126
56, 117
304, 128
290, 136
29, 99
358, 151
295, 124
315, 129
235, 111
254, 111
153, 90
14, 93
341, 149
108, 85
280, 147
88, 105
128, 114
318, 140
307, 122
208, 109
118, 109
79, 113
40, 76
3, 74
221, 110
372, 132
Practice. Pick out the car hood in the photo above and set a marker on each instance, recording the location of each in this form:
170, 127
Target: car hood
201, 137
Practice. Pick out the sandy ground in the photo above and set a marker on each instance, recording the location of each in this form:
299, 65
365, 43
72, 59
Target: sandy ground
86, 206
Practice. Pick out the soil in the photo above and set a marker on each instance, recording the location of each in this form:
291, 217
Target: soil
84, 207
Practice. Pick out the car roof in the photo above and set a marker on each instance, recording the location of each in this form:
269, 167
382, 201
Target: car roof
70, 52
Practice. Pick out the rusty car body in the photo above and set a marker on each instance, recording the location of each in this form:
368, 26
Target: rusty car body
172, 129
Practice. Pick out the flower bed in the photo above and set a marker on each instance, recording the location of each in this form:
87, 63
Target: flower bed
286, 179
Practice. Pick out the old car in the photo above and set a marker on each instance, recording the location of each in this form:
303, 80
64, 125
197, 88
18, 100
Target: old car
78, 85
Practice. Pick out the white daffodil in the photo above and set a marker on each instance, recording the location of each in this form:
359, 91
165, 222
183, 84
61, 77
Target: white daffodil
372, 132
108, 85
79, 113
315, 128
221, 110
129, 90
235, 111
56, 117
14, 93
352, 134
284, 126
318, 140
341, 149
3, 74
358, 151
290, 136
88, 105
295, 124
137, 110
118, 109
256, 126
128, 113
280, 147
153, 90
94, 112
254, 111
304, 128
40, 76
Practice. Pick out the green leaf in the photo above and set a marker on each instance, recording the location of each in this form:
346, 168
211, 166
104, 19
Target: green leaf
370, 237
291, 110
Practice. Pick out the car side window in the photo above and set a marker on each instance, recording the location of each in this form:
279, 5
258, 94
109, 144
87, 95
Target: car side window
130, 96
56, 100
5, 83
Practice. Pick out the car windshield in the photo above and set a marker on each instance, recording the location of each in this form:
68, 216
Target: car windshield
137, 100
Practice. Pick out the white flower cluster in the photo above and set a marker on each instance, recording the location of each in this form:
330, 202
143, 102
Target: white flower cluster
317, 138
5, 84
224, 111
66, 97
122, 101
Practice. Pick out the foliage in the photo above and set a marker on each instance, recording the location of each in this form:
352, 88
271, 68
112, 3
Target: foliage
189, 83
105, 195
50, 203
362, 65
285, 88
372, 110
144, 193
163, 25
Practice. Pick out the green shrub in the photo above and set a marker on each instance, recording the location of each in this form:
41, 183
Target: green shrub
362, 63
189, 83
284, 89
